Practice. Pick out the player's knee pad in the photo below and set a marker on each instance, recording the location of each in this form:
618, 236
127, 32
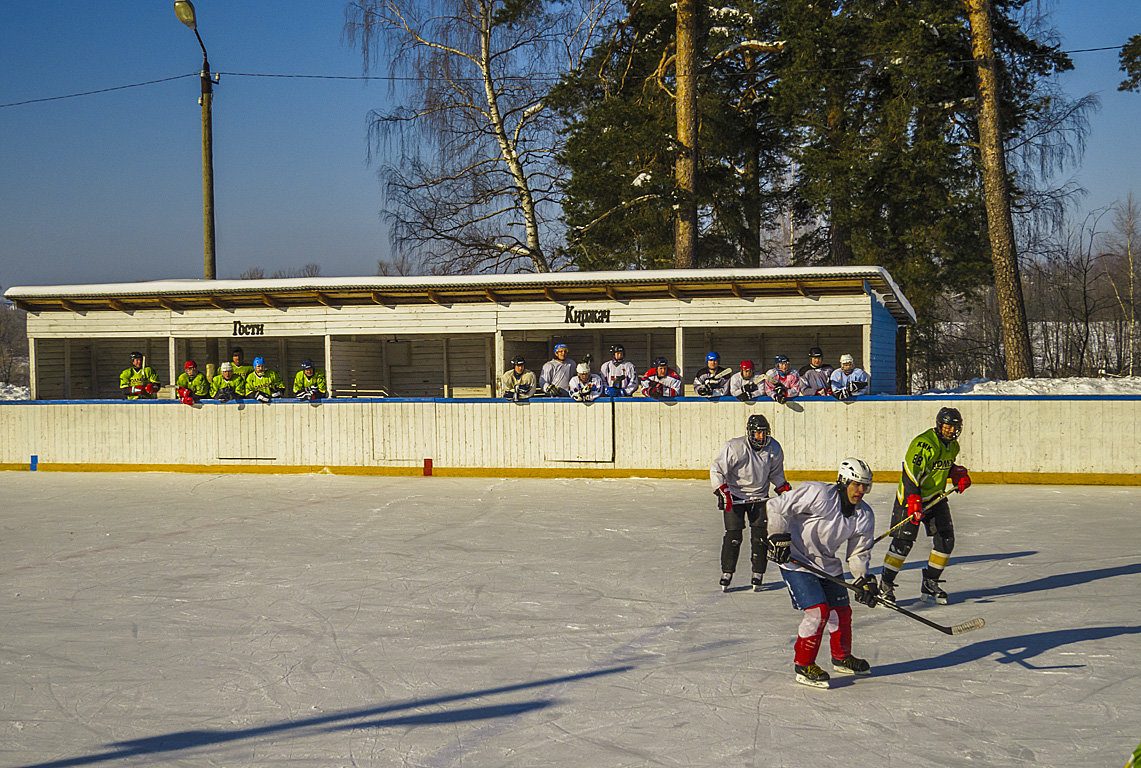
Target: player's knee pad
901, 547
943, 541
734, 537
812, 625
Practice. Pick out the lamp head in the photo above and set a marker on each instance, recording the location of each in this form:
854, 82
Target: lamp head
184, 10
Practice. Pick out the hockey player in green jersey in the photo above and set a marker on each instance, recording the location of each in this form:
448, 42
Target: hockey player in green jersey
928, 465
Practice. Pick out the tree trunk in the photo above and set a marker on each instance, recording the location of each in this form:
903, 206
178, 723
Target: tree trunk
685, 169
996, 192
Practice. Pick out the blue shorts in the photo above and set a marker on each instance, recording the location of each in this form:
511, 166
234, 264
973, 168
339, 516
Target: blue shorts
807, 589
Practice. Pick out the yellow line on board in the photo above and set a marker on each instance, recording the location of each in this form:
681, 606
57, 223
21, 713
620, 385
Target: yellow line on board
1012, 478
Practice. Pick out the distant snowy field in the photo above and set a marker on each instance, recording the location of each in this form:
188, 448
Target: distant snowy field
1127, 385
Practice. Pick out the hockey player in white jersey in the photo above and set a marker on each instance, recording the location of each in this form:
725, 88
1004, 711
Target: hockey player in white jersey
713, 381
619, 376
782, 382
586, 386
556, 375
661, 382
741, 474
816, 377
744, 385
848, 381
814, 524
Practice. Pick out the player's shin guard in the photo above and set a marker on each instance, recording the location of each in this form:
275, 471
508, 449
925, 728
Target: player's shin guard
760, 548
730, 551
895, 558
841, 637
935, 564
809, 633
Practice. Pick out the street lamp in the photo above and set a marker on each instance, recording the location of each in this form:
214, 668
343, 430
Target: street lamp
184, 10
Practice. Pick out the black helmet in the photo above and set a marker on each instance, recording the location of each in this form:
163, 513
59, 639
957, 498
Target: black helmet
816, 352
518, 360
661, 361
757, 423
615, 348
951, 417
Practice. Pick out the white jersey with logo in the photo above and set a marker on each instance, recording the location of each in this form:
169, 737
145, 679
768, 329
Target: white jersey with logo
748, 472
588, 390
717, 381
670, 385
613, 371
811, 513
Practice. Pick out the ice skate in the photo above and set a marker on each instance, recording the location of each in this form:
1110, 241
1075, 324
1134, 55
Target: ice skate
851, 666
887, 592
725, 579
812, 675
931, 592
758, 582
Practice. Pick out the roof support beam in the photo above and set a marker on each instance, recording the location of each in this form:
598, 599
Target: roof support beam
169, 305
612, 294
735, 290
671, 289
323, 299
492, 296
434, 297
217, 304
70, 307
270, 302
117, 305
378, 298
551, 295
804, 291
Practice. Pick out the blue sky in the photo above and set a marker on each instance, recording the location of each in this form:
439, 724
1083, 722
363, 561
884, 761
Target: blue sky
107, 187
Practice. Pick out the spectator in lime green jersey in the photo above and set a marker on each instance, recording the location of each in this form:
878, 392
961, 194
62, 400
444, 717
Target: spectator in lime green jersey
309, 383
227, 385
191, 386
138, 381
264, 383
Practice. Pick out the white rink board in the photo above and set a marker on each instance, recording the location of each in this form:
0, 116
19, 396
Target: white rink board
1027, 435
318, 620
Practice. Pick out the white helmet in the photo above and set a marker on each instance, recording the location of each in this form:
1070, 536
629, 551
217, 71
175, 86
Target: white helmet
854, 471
847, 360
583, 368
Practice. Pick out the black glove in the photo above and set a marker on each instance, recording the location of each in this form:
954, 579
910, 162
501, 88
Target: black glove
509, 394
749, 387
869, 590
841, 394
724, 498
780, 547
780, 394
703, 390
225, 395
552, 390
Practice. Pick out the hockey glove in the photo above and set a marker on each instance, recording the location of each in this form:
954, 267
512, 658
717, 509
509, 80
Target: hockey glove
276, 393
841, 393
780, 394
749, 387
261, 397
305, 394
522, 392
613, 392
960, 478
780, 547
654, 390
869, 590
225, 395
579, 396
915, 508
509, 394
704, 391
152, 388
724, 498
783, 489
552, 390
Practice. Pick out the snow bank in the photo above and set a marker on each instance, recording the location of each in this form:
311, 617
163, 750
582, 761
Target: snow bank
1125, 385
13, 392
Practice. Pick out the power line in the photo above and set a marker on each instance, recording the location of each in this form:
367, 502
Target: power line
554, 76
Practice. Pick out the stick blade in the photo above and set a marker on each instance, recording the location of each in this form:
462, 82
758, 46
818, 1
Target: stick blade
968, 626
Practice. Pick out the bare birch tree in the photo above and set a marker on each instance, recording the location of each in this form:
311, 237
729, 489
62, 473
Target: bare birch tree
470, 175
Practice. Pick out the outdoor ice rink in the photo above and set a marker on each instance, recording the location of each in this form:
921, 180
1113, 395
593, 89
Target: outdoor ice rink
318, 620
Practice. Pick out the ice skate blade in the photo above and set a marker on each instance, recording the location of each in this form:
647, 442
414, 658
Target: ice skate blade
812, 683
845, 671
933, 599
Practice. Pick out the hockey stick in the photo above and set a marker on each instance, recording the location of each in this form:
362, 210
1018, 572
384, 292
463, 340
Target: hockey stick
907, 518
957, 629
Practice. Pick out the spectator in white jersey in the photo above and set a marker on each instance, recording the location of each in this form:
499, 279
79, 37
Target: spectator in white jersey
519, 384
815, 378
744, 385
556, 375
585, 387
661, 382
848, 381
619, 376
713, 381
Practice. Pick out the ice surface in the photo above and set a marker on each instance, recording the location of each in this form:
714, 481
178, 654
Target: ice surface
160, 619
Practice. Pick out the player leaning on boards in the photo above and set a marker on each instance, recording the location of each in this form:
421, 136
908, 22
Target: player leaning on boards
138, 381
811, 525
929, 463
619, 375
741, 474
713, 381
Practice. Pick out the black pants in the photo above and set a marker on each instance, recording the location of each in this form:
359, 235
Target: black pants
734, 530
937, 521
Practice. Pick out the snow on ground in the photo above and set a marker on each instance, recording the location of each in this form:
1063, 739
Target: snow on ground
14, 392
320, 620
1124, 385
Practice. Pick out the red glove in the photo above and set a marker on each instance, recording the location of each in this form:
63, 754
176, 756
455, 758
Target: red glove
915, 508
960, 478
152, 387
783, 489
724, 498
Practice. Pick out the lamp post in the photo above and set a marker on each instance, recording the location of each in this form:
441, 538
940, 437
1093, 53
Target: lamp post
184, 10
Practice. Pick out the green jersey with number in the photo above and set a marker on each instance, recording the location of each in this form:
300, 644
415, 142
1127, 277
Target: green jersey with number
926, 466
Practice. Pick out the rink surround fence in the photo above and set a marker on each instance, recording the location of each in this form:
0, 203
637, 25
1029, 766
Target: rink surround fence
1044, 439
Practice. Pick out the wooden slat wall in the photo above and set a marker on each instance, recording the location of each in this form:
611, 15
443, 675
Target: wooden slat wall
1000, 435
